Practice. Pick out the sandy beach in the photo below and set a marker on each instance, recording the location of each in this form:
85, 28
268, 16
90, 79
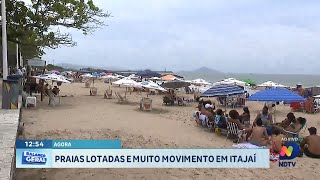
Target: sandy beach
81, 116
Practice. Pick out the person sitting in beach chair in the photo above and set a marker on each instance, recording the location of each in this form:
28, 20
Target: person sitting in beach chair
259, 135
295, 127
220, 120
310, 145
290, 119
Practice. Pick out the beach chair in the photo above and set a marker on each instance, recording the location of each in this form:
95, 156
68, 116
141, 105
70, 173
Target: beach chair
87, 84
232, 129
167, 100
108, 94
121, 99
93, 91
296, 134
146, 104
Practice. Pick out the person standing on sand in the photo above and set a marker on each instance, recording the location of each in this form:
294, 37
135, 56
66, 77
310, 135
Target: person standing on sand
310, 145
259, 135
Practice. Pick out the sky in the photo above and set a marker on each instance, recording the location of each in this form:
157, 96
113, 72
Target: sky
238, 36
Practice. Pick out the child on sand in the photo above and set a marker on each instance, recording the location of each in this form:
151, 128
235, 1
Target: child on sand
276, 140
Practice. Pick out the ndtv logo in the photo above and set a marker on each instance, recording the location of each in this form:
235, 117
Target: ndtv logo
289, 151
286, 151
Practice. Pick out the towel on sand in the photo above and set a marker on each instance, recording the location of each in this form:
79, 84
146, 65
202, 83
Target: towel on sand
246, 145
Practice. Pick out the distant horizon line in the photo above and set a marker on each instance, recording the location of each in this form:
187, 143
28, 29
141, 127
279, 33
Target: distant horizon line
179, 71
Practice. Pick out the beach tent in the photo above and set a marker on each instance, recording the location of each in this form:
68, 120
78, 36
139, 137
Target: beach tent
174, 84
200, 82
152, 85
271, 84
276, 95
148, 74
223, 90
168, 77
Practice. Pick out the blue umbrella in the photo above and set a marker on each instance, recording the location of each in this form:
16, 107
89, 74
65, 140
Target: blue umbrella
276, 95
223, 90
96, 74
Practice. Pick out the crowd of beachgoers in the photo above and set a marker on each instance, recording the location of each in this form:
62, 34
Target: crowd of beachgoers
167, 123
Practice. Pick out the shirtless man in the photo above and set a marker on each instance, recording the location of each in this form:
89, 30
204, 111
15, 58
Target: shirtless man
259, 135
311, 144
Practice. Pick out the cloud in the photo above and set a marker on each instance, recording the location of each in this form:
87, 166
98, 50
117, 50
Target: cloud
237, 36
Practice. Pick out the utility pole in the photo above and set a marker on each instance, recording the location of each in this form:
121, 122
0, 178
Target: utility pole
17, 54
4, 40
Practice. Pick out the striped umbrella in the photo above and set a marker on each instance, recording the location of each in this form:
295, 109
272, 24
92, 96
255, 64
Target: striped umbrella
223, 90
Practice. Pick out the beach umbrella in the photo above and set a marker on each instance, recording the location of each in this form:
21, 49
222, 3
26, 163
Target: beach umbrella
223, 90
271, 84
127, 82
276, 95
152, 85
175, 84
155, 78
168, 77
55, 72
250, 82
200, 82
231, 81
148, 74
53, 78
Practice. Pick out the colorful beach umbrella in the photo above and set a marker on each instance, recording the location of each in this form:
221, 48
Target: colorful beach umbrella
250, 82
168, 77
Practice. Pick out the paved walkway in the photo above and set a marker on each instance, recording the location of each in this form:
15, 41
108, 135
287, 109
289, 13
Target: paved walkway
9, 121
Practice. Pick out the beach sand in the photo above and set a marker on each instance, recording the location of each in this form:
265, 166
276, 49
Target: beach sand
81, 116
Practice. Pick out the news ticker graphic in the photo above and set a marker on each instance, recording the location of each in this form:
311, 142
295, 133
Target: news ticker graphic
109, 154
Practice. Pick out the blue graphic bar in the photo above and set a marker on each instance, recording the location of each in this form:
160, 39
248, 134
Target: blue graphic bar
86, 144
33, 144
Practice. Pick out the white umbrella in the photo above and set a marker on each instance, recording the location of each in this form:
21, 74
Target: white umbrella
200, 82
52, 77
155, 78
152, 85
127, 82
231, 81
271, 84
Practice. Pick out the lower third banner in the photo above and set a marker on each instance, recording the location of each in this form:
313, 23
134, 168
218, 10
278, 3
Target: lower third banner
142, 158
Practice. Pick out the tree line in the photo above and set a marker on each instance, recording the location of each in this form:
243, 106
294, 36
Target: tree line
44, 23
